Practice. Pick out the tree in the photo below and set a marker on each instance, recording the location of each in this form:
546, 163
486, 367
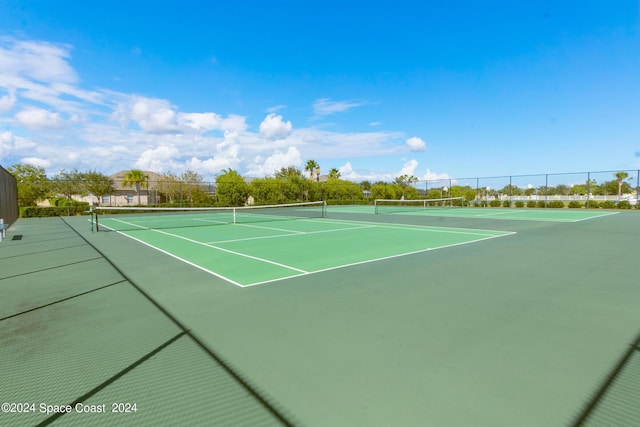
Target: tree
381, 190
290, 173
98, 184
312, 167
231, 189
266, 191
405, 182
70, 183
135, 178
293, 184
192, 187
620, 176
511, 190
365, 185
33, 184
334, 173
170, 187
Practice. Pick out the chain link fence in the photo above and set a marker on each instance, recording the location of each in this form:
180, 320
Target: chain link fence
610, 189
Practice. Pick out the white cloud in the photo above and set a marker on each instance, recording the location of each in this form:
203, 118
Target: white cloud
154, 115
159, 116
409, 168
416, 144
37, 118
8, 101
347, 172
38, 82
213, 165
7, 142
325, 106
36, 60
201, 122
158, 159
275, 162
36, 161
276, 108
434, 176
273, 127
204, 122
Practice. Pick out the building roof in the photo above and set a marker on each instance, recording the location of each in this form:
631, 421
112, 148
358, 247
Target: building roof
153, 179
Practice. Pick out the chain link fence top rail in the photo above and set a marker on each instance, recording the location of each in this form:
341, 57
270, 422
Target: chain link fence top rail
614, 185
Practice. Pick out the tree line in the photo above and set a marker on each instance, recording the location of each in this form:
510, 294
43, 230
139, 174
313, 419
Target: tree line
287, 185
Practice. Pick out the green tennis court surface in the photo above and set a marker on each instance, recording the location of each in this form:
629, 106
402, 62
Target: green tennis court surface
262, 252
363, 323
518, 214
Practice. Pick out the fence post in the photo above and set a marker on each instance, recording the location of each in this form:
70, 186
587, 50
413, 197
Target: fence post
546, 190
68, 198
510, 190
638, 189
588, 189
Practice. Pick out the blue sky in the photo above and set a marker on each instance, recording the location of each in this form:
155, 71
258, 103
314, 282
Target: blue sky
375, 89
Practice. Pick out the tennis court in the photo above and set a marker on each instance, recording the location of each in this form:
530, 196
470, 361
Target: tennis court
363, 319
528, 214
266, 248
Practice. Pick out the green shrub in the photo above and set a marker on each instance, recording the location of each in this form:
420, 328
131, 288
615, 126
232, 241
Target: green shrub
531, 204
519, 204
506, 204
556, 204
624, 204
574, 204
55, 201
52, 211
541, 204
495, 203
593, 204
608, 204
61, 201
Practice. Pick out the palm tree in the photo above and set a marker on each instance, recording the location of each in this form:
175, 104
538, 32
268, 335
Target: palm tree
620, 176
334, 173
135, 178
311, 167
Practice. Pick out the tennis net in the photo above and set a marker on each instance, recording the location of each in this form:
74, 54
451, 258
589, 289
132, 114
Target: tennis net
391, 206
107, 218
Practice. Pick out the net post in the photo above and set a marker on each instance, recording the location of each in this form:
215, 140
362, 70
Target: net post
324, 209
234, 216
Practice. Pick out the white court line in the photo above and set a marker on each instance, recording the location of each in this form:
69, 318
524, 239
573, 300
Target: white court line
497, 215
231, 252
269, 228
212, 247
547, 219
375, 260
233, 282
596, 216
412, 227
291, 235
323, 221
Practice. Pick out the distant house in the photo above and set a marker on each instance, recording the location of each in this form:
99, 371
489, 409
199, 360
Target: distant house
129, 195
